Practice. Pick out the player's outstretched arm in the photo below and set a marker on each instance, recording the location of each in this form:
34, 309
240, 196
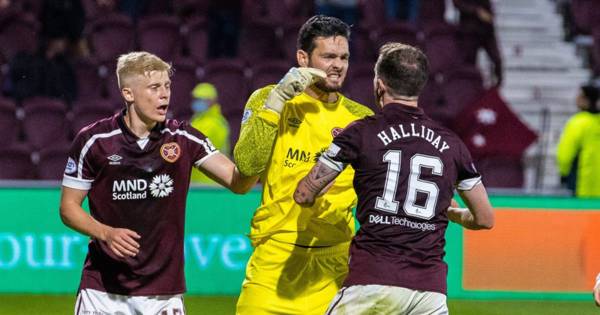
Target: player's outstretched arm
479, 214
122, 242
319, 179
596, 291
222, 170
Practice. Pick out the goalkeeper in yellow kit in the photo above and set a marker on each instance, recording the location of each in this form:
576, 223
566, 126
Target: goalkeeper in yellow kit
300, 256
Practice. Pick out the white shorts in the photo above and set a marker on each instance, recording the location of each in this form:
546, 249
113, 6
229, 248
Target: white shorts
381, 299
94, 302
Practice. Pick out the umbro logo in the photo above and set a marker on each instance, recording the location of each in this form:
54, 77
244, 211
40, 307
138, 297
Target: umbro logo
115, 159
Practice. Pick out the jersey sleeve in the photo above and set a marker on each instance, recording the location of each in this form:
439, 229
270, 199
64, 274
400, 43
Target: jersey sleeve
80, 170
468, 176
200, 145
344, 149
257, 135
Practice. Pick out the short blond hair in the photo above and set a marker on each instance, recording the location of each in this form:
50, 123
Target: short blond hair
139, 63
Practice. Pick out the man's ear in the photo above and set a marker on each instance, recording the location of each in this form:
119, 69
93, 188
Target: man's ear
380, 86
127, 94
302, 57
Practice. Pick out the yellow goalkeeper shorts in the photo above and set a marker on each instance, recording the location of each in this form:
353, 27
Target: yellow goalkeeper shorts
284, 278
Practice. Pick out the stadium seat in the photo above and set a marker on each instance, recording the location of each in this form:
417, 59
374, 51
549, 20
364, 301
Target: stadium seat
183, 81
159, 34
433, 102
440, 46
274, 12
52, 162
89, 83
460, 88
110, 36
358, 85
235, 121
86, 112
431, 11
228, 76
196, 39
397, 32
9, 123
191, 8
258, 41
93, 10
16, 162
267, 72
361, 46
288, 41
45, 121
18, 33
582, 14
371, 13
501, 172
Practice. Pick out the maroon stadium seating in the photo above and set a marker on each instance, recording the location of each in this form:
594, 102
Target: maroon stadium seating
440, 46
86, 112
358, 85
397, 32
89, 83
16, 163
9, 124
228, 76
52, 162
371, 13
258, 41
110, 36
183, 81
159, 34
18, 33
196, 39
45, 121
501, 172
267, 72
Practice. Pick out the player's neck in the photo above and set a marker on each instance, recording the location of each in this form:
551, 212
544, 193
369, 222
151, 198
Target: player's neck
136, 125
404, 100
325, 97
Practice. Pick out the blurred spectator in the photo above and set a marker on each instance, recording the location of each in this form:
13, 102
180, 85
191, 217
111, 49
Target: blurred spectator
578, 150
403, 10
42, 74
62, 25
345, 10
476, 23
224, 19
208, 119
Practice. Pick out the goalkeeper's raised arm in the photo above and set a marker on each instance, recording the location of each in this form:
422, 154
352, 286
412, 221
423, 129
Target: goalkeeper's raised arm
261, 118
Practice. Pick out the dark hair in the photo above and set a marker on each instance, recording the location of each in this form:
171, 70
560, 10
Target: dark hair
402, 68
592, 94
320, 26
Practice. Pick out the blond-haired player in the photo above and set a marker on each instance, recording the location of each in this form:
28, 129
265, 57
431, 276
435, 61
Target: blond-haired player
300, 257
134, 168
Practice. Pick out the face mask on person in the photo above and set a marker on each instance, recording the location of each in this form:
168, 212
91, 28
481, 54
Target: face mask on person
200, 105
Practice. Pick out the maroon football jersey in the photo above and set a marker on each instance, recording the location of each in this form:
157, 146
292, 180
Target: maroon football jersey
406, 167
138, 184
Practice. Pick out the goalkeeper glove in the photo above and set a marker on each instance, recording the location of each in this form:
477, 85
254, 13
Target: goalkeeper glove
292, 84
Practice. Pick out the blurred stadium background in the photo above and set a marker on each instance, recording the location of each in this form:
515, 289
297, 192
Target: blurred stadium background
57, 60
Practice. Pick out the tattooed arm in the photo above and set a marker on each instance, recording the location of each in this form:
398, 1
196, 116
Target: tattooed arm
320, 177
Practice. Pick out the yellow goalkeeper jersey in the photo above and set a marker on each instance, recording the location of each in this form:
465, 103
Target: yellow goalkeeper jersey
282, 149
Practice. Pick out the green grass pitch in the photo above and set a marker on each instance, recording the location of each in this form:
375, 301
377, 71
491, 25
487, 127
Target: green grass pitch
225, 305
